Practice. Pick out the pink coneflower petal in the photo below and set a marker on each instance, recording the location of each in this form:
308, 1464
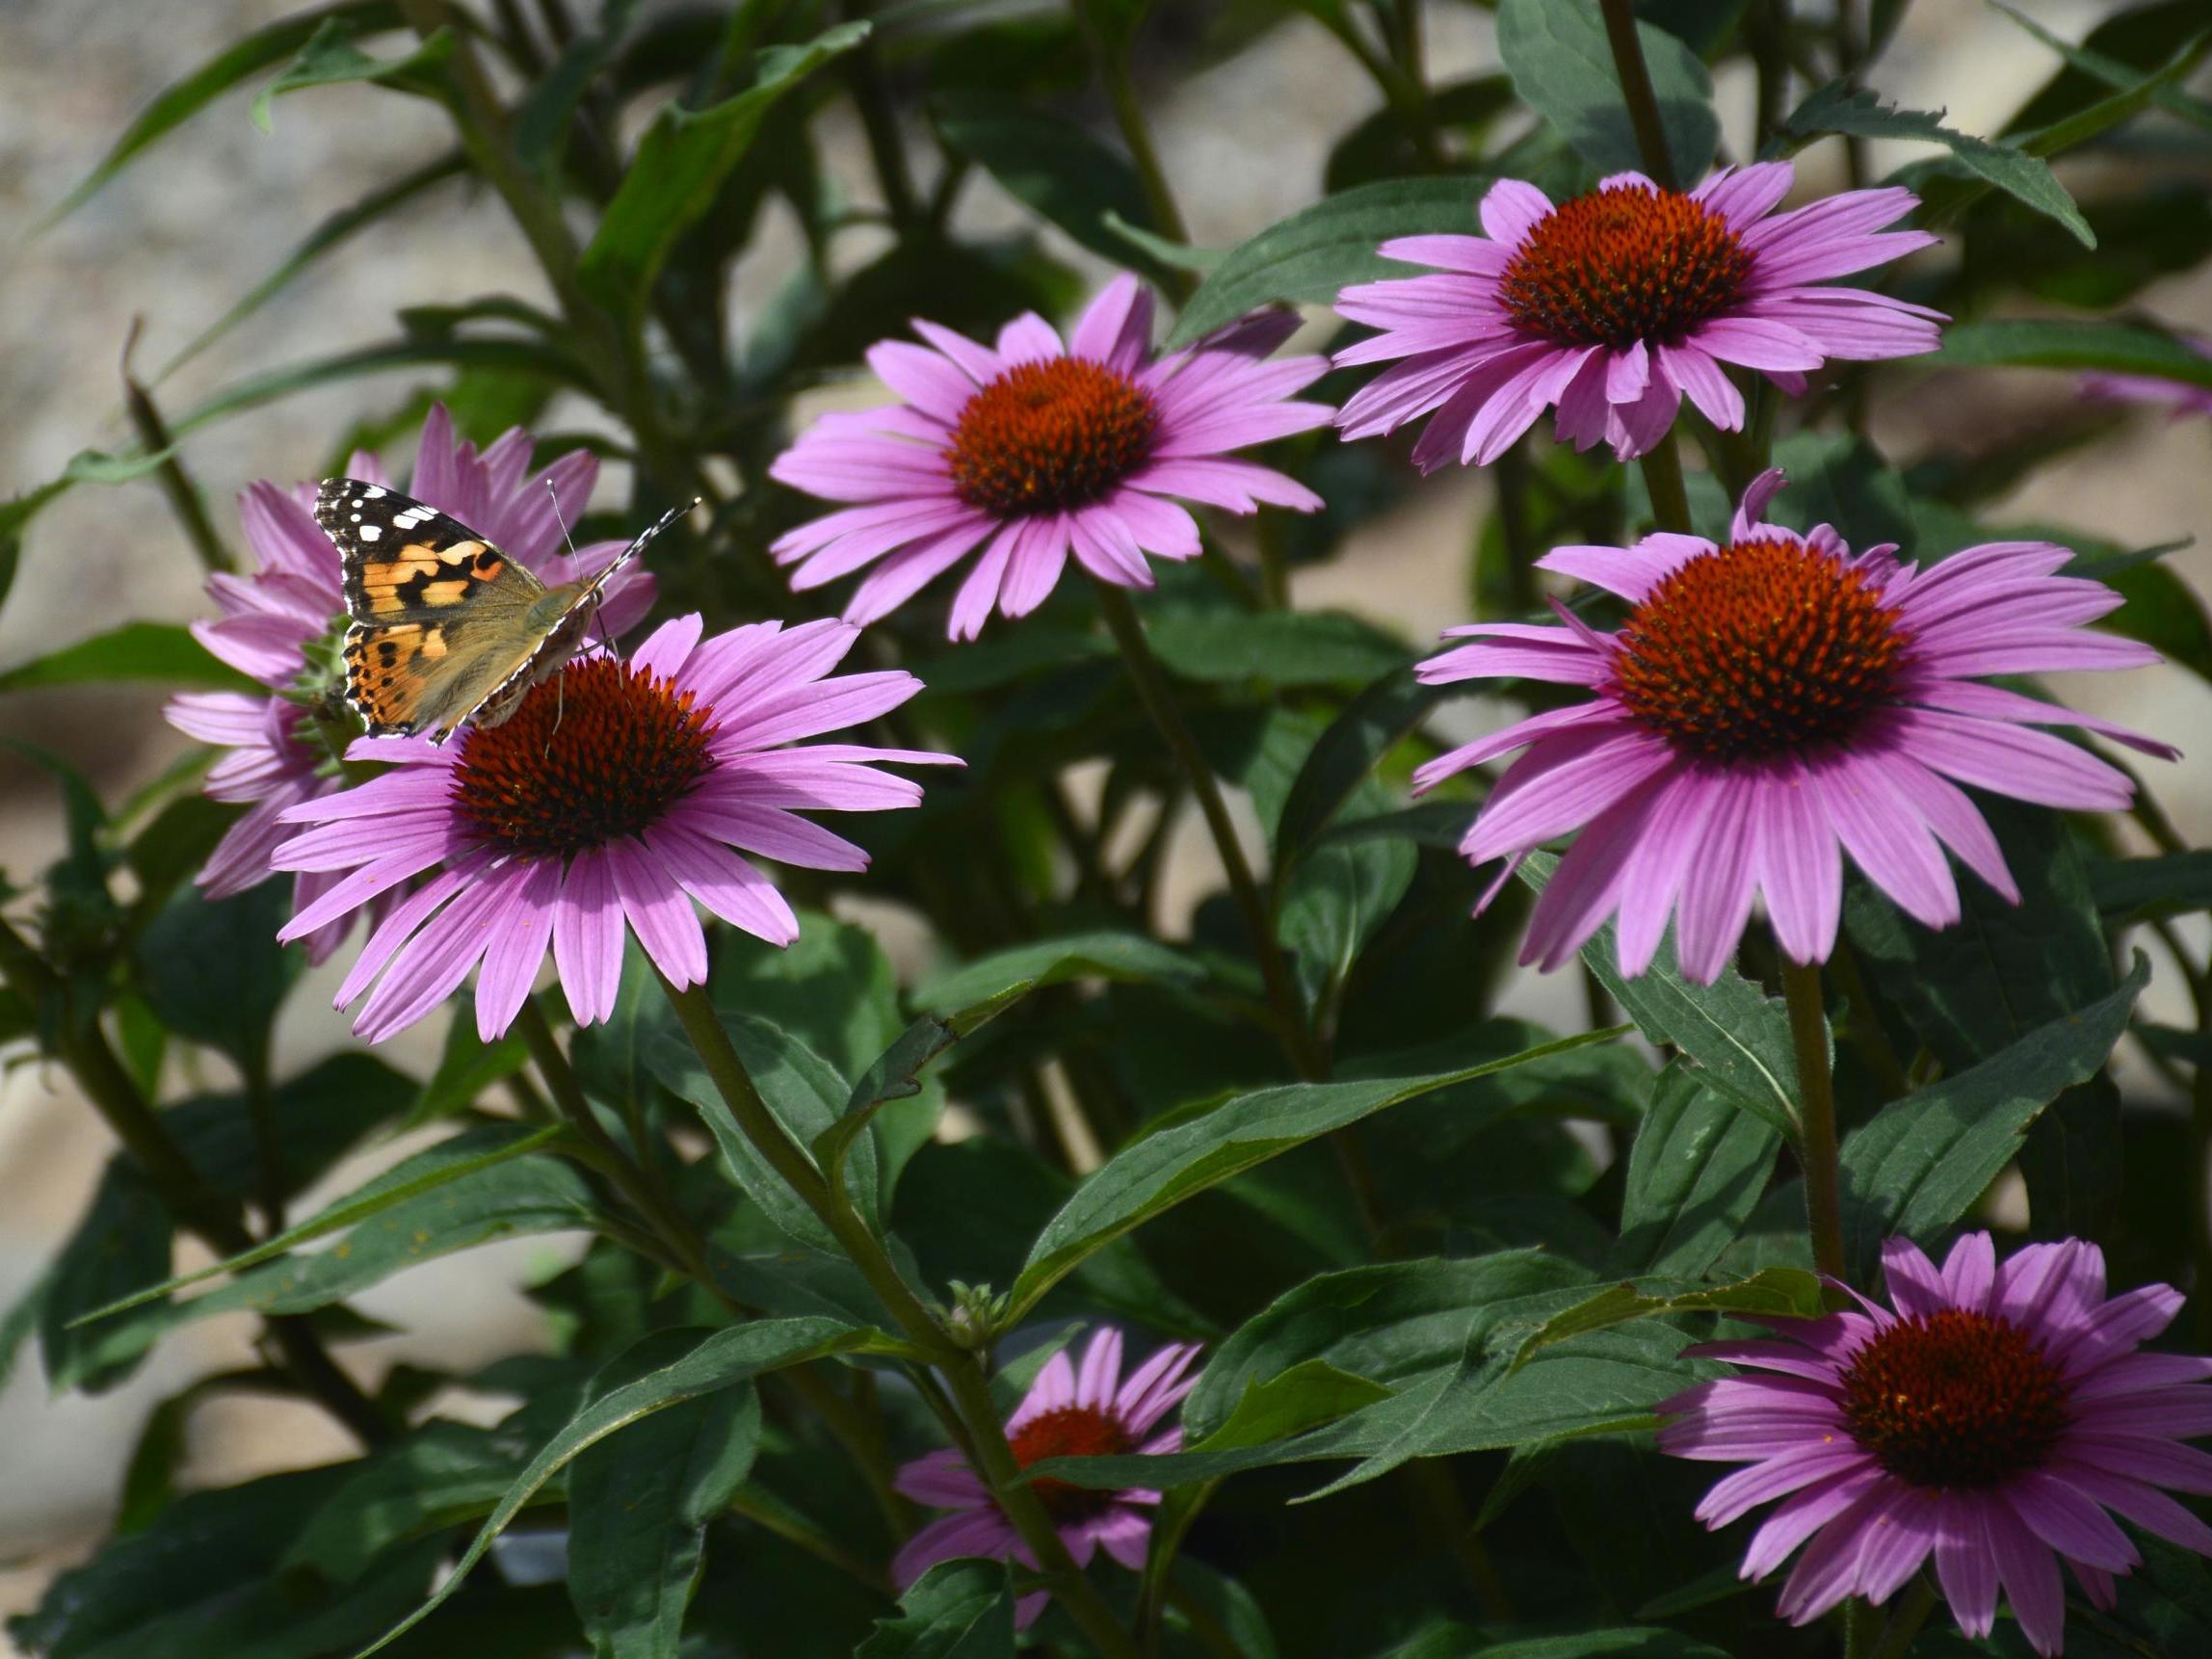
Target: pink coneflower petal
615, 798
1022, 457
1770, 706
1962, 1425
1610, 308
1072, 1408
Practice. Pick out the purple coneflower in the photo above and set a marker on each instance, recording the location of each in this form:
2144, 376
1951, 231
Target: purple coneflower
1766, 703
1090, 1412
1992, 1419
615, 794
1036, 450
2178, 398
273, 620
1616, 305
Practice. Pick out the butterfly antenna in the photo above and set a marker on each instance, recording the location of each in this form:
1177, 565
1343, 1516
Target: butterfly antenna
560, 708
554, 495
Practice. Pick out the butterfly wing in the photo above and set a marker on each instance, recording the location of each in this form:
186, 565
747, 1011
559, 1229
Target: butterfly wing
440, 617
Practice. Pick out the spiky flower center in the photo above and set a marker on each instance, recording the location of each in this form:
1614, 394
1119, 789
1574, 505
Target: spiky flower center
1955, 1399
1625, 264
1049, 435
1070, 1431
598, 751
1760, 647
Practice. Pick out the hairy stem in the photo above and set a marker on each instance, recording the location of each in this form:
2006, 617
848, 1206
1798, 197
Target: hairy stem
1661, 465
1816, 1115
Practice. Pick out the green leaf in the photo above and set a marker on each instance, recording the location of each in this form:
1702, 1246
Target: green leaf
896, 1075
1308, 1394
1695, 1175
212, 968
1382, 145
1562, 66
2127, 79
1121, 958
449, 1160
442, 1474
1051, 165
1346, 754
1287, 647
333, 231
957, 1610
2051, 343
2145, 889
1199, 1148
1391, 1323
804, 1095
466, 1066
1321, 249
121, 1242
1970, 990
1837, 109
183, 99
160, 653
319, 1116
639, 1504
1737, 1034
1922, 1161
331, 59
1772, 1292
679, 167
719, 1362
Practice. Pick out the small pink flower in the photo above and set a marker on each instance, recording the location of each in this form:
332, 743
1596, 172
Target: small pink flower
1767, 706
292, 601
615, 794
1614, 307
1036, 450
2177, 398
1992, 1420
1068, 1414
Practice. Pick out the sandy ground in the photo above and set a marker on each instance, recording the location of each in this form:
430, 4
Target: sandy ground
198, 220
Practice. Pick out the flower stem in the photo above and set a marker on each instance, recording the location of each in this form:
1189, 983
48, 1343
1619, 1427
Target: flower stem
1905, 1622
962, 1373
1816, 1115
1663, 481
687, 1251
1159, 701
1636, 91
1112, 58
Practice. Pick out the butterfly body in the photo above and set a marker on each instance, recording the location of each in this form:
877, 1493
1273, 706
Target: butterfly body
446, 628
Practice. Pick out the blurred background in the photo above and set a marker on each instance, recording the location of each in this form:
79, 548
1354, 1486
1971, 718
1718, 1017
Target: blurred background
183, 234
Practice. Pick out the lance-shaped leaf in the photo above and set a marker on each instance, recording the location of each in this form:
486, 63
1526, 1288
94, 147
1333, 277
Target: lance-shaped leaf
1199, 1148
161, 653
1321, 249
1740, 1035
1124, 957
719, 1362
331, 59
1562, 64
1923, 1160
2145, 889
1695, 1175
1772, 1292
957, 1610
679, 167
2054, 343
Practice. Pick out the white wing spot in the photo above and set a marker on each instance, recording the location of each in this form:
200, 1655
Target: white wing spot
369, 531
372, 493
357, 518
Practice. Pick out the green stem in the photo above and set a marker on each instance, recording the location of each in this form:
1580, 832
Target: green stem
1159, 701
1816, 1115
184, 497
1663, 480
687, 1251
880, 127
1636, 92
992, 1456
1861, 1622
1905, 1622
1112, 59
1511, 477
